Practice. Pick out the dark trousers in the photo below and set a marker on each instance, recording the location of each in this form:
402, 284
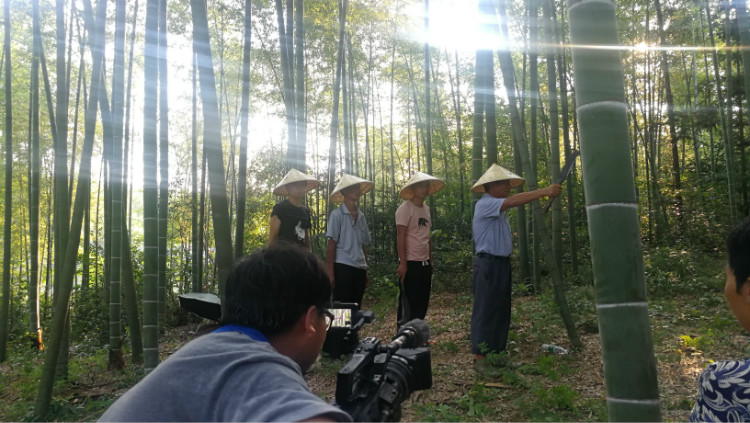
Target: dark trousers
490, 316
350, 283
414, 295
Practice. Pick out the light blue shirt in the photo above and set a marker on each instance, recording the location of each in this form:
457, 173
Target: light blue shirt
491, 228
349, 235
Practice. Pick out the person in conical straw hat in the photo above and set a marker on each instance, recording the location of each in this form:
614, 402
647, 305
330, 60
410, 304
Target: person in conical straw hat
490, 317
346, 255
290, 219
413, 224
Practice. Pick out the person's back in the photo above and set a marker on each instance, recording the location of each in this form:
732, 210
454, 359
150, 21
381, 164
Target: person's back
222, 377
275, 318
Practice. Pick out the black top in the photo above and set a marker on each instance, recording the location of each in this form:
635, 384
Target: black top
294, 221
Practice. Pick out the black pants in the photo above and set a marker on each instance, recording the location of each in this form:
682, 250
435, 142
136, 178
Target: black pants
490, 316
350, 283
414, 295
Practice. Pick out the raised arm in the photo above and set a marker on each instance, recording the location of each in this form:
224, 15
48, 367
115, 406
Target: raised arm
527, 197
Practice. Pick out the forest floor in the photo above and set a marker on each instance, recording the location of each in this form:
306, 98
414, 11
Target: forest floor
691, 327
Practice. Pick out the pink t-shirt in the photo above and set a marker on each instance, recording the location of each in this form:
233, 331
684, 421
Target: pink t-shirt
417, 222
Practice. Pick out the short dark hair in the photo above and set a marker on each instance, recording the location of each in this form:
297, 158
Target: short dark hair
270, 289
738, 248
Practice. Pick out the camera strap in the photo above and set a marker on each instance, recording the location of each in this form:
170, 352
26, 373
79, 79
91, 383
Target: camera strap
251, 332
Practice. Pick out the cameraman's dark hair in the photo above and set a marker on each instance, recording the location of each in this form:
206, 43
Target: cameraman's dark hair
270, 289
738, 247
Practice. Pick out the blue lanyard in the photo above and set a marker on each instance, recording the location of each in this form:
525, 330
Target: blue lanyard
251, 332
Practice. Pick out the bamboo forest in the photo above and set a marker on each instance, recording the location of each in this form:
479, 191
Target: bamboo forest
142, 141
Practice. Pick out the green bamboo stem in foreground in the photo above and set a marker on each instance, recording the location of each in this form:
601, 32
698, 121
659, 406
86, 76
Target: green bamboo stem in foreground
477, 122
150, 193
116, 192
743, 21
548, 8
60, 313
163, 202
212, 146
5, 305
627, 347
34, 182
239, 234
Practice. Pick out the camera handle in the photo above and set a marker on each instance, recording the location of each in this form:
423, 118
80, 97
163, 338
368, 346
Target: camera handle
380, 405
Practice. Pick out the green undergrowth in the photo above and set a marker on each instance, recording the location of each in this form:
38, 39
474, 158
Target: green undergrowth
691, 326
82, 396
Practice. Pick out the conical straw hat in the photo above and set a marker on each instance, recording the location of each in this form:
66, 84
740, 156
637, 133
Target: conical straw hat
497, 173
292, 176
346, 181
436, 185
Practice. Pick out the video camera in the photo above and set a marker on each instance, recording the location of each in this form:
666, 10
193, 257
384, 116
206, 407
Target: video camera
343, 336
379, 377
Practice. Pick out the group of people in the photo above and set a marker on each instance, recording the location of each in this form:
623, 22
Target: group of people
348, 236
275, 313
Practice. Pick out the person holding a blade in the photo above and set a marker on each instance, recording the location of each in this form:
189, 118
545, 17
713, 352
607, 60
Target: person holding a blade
415, 266
491, 278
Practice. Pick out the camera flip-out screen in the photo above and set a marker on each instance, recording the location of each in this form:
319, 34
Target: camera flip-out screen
343, 336
342, 317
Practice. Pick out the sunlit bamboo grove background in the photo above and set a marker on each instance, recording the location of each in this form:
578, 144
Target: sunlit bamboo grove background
142, 140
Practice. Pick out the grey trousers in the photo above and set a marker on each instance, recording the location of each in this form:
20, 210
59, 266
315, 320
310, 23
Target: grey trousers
490, 316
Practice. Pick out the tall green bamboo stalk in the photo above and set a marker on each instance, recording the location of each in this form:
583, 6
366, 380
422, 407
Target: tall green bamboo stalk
196, 231
530, 166
5, 305
239, 235
34, 188
517, 133
729, 140
150, 193
115, 180
554, 127
163, 163
336, 97
60, 313
625, 330
212, 146
744, 27
477, 134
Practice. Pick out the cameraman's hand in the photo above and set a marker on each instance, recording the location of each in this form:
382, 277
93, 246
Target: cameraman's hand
401, 271
367, 280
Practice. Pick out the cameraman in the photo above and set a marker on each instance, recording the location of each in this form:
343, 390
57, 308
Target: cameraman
251, 369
